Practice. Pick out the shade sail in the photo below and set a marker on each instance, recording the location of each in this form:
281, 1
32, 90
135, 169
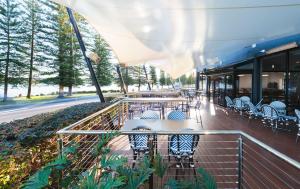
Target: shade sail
180, 35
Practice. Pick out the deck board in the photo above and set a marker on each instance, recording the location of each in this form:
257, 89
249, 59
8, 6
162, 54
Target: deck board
218, 154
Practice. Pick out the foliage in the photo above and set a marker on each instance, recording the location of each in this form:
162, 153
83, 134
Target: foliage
202, 181
162, 78
41, 178
57, 121
153, 75
11, 45
37, 30
67, 65
104, 67
18, 161
135, 177
159, 166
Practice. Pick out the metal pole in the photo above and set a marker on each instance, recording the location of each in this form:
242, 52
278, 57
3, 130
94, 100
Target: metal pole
240, 162
121, 79
83, 49
197, 80
146, 74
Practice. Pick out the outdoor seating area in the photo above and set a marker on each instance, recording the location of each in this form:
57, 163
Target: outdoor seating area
236, 151
273, 115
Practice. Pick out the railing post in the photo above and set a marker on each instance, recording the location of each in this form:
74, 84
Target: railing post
240, 161
60, 153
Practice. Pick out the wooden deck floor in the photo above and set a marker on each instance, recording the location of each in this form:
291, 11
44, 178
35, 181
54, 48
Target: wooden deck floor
218, 118
218, 154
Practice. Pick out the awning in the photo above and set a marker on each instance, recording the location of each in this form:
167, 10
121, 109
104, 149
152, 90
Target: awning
180, 35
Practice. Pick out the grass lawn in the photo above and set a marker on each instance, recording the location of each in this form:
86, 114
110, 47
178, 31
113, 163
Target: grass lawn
23, 100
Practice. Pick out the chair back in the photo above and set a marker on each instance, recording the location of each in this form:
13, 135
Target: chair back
228, 101
279, 106
176, 115
183, 144
297, 112
251, 107
238, 102
149, 114
269, 112
259, 104
245, 99
139, 141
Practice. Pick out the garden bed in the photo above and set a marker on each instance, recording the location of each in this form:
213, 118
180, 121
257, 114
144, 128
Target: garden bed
28, 144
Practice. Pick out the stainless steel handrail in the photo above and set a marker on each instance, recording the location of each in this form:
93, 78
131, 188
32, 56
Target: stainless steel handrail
88, 117
200, 132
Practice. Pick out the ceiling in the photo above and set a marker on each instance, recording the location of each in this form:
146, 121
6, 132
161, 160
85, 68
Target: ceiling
180, 35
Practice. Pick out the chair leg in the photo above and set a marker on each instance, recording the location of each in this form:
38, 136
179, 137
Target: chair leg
134, 158
191, 162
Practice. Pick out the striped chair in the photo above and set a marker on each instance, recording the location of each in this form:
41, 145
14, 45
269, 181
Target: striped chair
253, 111
270, 114
176, 115
279, 106
139, 143
297, 112
181, 146
229, 102
150, 114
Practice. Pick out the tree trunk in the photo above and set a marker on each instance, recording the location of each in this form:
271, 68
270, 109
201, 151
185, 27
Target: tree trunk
70, 90
31, 62
7, 60
126, 84
61, 91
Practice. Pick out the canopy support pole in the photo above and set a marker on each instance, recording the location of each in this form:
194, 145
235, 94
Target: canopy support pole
197, 80
146, 74
121, 79
87, 60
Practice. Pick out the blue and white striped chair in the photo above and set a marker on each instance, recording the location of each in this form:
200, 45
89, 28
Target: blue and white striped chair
229, 102
270, 114
238, 105
279, 106
253, 111
297, 112
150, 114
139, 143
183, 146
176, 115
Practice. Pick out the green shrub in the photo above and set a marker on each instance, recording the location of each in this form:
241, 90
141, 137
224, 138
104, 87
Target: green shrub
28, 144
58, 120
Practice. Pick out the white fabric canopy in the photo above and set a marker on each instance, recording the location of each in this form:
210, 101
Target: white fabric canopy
179, 35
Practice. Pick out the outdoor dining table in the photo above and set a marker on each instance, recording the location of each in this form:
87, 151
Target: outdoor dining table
163, 102
161, 125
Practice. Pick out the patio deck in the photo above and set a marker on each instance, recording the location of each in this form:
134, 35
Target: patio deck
218, 118
218, 154
223, 154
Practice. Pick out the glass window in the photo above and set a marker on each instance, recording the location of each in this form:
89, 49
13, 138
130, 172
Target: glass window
229, 86
273, 85
274, 63
294, 64
244, 85
294, 89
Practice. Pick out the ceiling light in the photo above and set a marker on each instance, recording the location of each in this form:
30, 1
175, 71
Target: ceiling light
241, 75
265, 75
282, 48
147, 29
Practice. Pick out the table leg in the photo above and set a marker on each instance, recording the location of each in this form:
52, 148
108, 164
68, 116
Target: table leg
163, 111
